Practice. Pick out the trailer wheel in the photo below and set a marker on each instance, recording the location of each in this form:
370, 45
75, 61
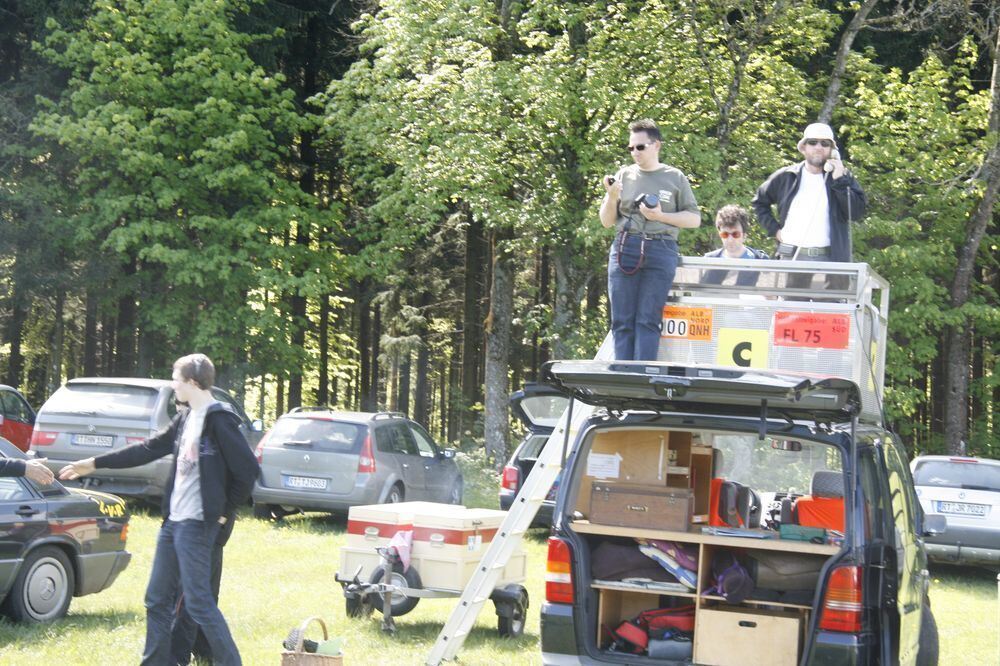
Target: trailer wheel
401, 605
510, 624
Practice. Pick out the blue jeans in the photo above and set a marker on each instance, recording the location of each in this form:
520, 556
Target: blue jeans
637, 300
183, 564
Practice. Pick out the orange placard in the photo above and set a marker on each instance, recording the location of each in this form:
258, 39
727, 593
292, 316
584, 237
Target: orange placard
686, 323
810, 329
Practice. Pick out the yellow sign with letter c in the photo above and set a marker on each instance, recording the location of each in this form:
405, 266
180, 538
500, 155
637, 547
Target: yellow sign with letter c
742, 347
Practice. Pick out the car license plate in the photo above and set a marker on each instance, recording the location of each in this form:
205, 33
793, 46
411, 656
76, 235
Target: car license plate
962, 508
305, 482
93, 440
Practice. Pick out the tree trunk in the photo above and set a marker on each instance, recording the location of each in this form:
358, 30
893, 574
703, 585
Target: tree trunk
376, 396
472, 329
571, 283
53, 379
125, 337
364, 345
498, 325
957, 337
422, 391
15, 334
403, 391
840, 61
322, 392
90, 339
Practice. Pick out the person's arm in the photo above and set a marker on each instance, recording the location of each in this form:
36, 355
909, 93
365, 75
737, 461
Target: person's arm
762, 205
157, 446
609, 205
241, 465
12, 467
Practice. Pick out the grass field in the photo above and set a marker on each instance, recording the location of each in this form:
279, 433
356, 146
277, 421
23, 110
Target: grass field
278, 574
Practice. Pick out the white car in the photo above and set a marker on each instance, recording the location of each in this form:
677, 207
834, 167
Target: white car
966, 491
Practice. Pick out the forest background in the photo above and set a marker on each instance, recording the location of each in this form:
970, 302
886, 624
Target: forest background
393, 205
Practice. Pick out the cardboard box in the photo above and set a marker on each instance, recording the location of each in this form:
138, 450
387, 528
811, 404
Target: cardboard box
652, 507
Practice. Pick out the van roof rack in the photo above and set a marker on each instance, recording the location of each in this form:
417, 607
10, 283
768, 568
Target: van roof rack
310, 408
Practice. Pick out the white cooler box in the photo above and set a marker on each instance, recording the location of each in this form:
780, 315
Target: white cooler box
447, 546
371, 526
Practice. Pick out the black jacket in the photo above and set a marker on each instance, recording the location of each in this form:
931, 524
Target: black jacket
744, 279
844, 194
12, 467
226, 466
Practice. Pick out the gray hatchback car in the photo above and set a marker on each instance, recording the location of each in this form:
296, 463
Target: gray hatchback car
93, 415
322, 460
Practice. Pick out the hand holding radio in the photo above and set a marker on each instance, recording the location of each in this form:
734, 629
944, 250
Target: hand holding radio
834, 165
612, 186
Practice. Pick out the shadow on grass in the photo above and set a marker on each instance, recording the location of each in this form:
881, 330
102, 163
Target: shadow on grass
312, 523
964, 574
12, 633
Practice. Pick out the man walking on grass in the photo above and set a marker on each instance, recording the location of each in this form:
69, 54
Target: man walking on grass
212, 475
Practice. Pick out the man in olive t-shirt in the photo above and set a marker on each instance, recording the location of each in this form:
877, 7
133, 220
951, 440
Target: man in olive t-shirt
644, 256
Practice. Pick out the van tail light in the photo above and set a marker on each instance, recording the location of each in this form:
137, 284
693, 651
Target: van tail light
842, 605
559, 573
366, 461
511, 478
124, 534
134, 440
259, 451
42, 438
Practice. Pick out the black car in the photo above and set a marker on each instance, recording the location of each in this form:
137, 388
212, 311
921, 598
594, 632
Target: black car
539, 407
677, 459
57, 544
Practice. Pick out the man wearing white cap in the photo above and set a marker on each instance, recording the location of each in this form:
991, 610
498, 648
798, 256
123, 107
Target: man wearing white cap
817, 199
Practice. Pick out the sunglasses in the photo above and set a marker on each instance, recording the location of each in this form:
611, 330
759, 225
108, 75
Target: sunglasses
826, 143
734, 234
639, 146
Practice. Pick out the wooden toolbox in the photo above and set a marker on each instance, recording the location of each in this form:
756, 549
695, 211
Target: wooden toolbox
737, 636
649, 506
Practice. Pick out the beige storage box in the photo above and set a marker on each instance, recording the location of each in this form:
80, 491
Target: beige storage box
448, 544
371, 526
740, 636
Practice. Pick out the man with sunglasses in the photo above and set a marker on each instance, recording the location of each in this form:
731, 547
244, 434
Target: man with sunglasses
816, 200
732, 222
647, 203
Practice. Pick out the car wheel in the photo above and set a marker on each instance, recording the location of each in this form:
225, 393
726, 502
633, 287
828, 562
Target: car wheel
927, 653
43, 587
455, 496
401, 605
395, 495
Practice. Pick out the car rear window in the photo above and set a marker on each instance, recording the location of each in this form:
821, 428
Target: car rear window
946, 474
132, 402
545, 410
323, 434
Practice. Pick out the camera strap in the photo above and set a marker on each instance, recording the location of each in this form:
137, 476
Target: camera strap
622, 236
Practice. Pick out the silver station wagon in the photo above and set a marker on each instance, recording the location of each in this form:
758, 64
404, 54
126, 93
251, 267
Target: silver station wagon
93, 415
322, 460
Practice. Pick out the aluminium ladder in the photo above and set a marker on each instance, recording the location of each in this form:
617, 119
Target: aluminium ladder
529, 498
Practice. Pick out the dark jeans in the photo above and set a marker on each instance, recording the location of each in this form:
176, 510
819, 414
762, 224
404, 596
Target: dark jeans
637, 300
186, 638
183, 564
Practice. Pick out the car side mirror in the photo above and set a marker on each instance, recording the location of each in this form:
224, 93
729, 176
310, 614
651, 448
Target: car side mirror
447, 454
257, 425
935, 524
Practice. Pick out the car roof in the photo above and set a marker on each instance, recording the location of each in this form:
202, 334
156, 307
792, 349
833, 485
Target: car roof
956, 459
350, 417
122, 381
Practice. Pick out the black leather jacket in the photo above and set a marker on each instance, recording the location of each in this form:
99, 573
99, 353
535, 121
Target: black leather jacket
846, 198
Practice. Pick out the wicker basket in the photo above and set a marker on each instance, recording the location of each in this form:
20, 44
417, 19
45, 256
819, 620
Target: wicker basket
299, 658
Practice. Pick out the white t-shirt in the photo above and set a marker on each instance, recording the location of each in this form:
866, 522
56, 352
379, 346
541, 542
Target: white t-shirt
185, 500
808, 221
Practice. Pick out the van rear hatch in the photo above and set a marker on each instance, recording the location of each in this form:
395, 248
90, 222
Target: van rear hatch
312, 454
664, 386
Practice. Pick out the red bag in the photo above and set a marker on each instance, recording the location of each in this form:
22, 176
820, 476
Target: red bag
680, 618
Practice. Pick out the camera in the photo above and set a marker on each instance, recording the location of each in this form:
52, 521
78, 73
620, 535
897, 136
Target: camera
650, 200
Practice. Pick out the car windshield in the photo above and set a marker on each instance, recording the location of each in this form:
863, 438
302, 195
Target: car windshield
329, 435
132, 402
948, 474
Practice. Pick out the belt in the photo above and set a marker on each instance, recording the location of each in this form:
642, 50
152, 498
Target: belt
663, 235
786, 248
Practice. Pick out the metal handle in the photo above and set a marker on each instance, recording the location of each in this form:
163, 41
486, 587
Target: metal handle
437, 539
26, 511
371, 533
